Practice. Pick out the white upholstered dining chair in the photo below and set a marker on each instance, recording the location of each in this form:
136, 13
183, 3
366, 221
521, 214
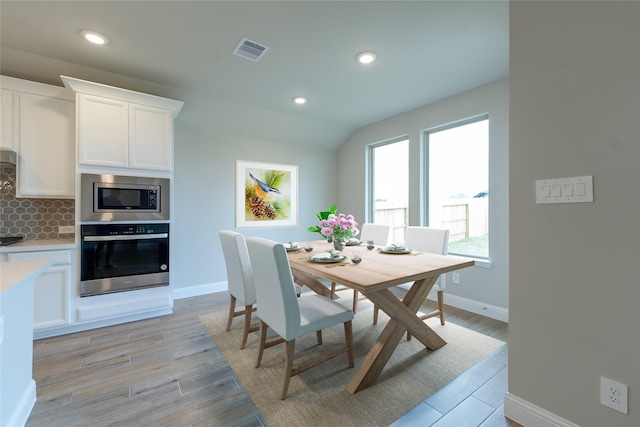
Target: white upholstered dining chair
380, 234
429, 240
240, 280
288, 316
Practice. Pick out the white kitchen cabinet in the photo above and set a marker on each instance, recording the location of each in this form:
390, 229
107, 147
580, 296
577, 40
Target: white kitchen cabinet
103, 131
8, 119
38, 122
52, 289
116, 133
150, 138
118, 128
46, 160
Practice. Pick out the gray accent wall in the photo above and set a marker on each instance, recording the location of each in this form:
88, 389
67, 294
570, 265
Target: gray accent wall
574, 279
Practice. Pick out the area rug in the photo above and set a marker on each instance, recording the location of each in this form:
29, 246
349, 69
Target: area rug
318, 397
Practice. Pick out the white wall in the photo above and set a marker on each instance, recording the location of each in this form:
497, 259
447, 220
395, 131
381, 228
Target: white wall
574, 281
481, 289
204, 198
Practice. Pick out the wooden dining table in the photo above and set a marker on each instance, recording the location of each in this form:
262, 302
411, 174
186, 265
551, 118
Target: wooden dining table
373, 276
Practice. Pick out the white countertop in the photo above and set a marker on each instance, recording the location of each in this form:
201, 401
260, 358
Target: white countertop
14, 272
39, 245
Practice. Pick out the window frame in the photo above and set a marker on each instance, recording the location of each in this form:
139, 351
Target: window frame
425, 174
370, 173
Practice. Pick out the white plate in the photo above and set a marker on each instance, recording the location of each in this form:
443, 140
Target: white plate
292, 248
395, 251
327, 260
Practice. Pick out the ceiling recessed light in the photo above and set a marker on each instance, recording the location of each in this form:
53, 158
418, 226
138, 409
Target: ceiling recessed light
299, 100
94, 37
366, 57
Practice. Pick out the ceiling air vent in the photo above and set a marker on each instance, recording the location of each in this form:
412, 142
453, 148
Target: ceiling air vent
250, 49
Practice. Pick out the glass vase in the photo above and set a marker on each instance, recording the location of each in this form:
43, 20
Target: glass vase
339, 244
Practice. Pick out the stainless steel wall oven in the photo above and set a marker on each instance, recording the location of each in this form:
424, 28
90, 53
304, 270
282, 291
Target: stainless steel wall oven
123, 257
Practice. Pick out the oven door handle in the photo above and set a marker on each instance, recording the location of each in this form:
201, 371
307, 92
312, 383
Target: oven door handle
125, 237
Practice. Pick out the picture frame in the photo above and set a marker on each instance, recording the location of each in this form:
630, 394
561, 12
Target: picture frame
266, 194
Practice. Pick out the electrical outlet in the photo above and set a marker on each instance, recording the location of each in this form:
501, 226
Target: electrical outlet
66, 229
615, 395
455, 278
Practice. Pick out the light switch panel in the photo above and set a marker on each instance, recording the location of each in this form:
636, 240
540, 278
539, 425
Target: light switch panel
577, 189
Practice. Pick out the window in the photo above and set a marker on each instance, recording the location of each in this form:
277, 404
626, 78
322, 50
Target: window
389, 185
458, 184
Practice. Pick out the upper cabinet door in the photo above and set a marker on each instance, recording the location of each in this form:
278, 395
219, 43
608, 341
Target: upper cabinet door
150, 138
46, 149
9, 119
123, 129
103, 131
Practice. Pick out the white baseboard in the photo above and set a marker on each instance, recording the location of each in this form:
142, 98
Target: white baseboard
23, 408
528, 414
197, 290
85, 326
114, 308
474, 306
190, 291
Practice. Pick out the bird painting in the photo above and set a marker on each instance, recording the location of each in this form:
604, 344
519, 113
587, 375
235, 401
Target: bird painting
266, 194
262, 189
261, 197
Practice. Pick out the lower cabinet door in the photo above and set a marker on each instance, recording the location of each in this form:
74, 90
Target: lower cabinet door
51, 298
51, 290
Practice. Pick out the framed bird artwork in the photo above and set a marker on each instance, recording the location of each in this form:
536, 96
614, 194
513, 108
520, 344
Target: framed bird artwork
266, 194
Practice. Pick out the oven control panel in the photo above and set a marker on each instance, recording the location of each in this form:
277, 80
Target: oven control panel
123, 229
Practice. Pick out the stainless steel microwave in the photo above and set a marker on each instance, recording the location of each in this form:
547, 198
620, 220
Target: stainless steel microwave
123, 198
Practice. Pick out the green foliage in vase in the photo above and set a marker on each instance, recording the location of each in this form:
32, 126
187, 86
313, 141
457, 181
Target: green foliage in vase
333, 209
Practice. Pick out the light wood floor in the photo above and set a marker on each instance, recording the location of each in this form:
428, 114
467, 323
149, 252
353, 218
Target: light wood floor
168, 372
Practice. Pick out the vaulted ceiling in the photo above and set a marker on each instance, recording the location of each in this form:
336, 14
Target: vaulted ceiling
426, 51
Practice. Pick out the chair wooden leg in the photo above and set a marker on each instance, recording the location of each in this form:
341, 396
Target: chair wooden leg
288, 366
232, 309
355, 301
348, 336
263, 339
248, 309
333, 290
291, 370
375, 314
441, 306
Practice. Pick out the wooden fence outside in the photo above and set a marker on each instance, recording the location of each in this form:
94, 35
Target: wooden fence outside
463, 217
